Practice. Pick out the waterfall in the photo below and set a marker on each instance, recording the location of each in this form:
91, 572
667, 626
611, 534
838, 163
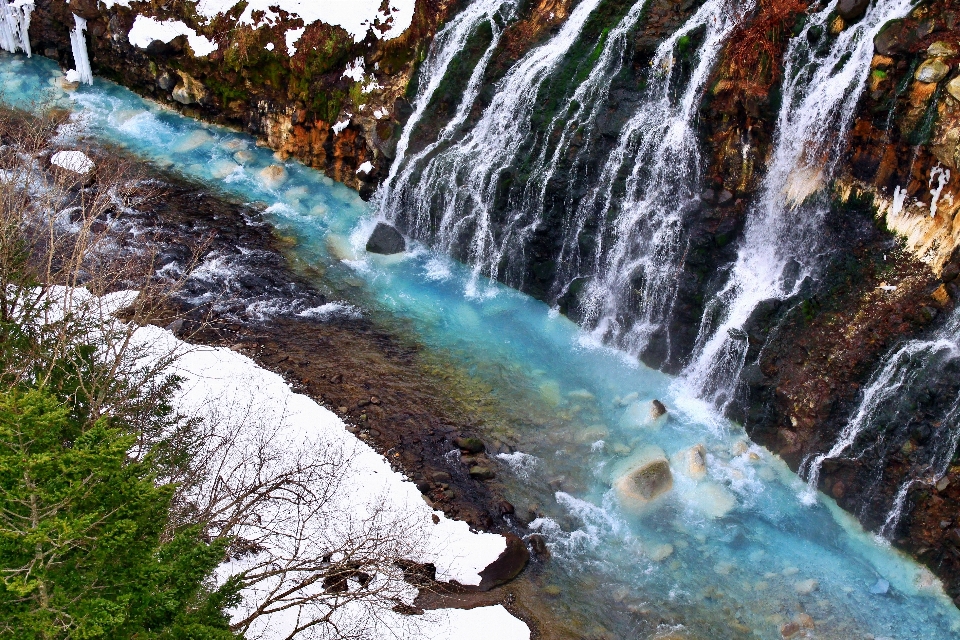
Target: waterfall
659, 149
15, 26
447, 44
80, 56
886, 404
460, 181
823, 81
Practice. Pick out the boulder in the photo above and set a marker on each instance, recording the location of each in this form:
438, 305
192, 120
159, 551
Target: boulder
648, 478
470, 445
506, 567
86, 9
852, 10
941, 49
386, 240
932, 71
481, 473
953, 88
693, 462
167, 81
274, 175
189, 90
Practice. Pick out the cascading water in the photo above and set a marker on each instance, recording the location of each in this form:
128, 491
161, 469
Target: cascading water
823, 81
15, 26
447, 44
660, 149
460, 182
887, 402
81, 58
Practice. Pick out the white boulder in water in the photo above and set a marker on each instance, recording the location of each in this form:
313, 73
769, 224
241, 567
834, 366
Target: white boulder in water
648, 415
711, 499
273, 176
647, 476
692, 462
75, 161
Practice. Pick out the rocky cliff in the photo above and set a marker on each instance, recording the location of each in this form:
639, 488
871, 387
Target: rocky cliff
311, 91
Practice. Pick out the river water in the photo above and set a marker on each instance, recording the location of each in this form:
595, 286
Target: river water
734, 554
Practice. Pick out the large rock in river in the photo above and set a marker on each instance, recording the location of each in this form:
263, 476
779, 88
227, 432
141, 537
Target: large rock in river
647, 477
386, 240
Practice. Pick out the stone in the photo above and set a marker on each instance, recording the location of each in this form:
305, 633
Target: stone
506, 567
274, 175
709, 196
657, 409
806, 587
167, 81
943, 483
386, 240
852, 10
725, 198
482, 473
953, 88
941, 49
805, 620
470, 445
880, 588
661, 552
790, 630
538, 544
189, 90
932, 71
86, 9
693, 462
646, 480
440, 476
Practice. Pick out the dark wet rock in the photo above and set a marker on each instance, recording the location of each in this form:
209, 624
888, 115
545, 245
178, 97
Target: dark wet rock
470, 445
386, 240
479, 472
86, 9
506, 567
538, 545
725, 199
167, 81
852, 10
657, 409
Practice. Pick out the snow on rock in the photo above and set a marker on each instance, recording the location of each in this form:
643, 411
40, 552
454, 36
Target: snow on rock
356, 16
145, 30
366, 167
75, 161
354, 70
340, 126
292, 36
233, 393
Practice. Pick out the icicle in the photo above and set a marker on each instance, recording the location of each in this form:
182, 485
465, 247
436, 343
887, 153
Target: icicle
80, 57
15, 26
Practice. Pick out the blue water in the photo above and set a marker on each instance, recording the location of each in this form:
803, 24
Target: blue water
733, 554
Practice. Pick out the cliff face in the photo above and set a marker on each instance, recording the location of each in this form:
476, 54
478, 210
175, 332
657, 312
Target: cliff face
892, 264
328, 100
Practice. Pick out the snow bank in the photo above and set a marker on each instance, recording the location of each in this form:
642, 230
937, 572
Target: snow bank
219, 381
145, 30
356, 16
75, 161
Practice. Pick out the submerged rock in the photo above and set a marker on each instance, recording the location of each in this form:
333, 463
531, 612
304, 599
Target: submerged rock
647, 479
693, 462
386, 240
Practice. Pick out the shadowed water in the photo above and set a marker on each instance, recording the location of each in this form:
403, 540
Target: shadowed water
731, 554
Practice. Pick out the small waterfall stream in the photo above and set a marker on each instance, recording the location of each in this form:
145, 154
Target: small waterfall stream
456, 189
823, 81
633, 281
886, 405
447, 44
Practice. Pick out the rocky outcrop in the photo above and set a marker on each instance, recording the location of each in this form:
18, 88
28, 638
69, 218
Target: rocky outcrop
329, 101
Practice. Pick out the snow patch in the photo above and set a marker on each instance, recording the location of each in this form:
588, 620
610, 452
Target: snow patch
355, 16
145, 30
75, 161
340, 126
365, 168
